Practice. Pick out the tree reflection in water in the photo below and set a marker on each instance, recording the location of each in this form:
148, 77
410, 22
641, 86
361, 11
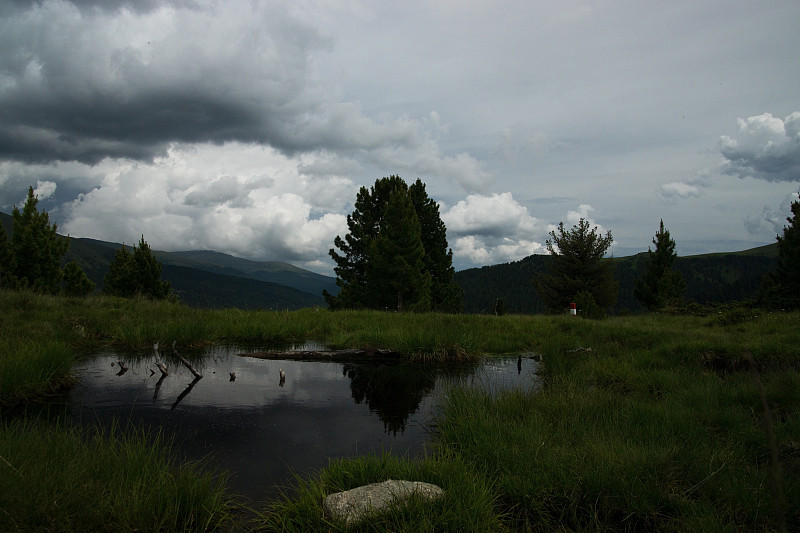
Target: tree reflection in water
394, 390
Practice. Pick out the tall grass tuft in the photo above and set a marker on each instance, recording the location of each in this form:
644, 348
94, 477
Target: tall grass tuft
32, 368
55, 478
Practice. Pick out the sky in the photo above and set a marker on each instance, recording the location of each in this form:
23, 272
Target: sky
248, 127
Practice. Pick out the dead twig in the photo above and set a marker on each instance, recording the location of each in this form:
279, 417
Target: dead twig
186, 363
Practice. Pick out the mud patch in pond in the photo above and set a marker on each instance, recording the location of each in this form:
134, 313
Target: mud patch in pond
263, 429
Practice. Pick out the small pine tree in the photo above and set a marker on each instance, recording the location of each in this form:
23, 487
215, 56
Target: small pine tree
578, 266
76, 283
587, 307
660, 286
137, 273
37, 248
148, 273
119, 281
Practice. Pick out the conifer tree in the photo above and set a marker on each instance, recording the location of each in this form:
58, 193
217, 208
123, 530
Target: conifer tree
7, 263
364, 224
119, 280
36, 248
397, 270
76, 283
781, 288
660, 286
577, 266
446, 295
137, 273
364, 250
148, 273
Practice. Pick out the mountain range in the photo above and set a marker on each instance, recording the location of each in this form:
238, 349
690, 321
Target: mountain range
205, 278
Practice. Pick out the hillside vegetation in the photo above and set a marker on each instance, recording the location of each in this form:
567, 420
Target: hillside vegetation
209, 279
712, 278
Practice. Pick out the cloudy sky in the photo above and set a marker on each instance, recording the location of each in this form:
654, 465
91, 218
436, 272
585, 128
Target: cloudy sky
248, 127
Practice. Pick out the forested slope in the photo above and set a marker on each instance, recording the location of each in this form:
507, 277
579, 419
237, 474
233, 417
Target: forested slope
713, 278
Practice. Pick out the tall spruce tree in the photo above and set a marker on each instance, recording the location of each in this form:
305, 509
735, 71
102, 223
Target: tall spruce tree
361, 253
577, 267
364, 224
397, 268
36, 248
781, 288
446, 295
660, 286
136, 274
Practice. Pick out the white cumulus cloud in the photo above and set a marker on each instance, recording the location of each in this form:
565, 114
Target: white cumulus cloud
679, 189
206, 198
770, 220
492, 229
765, 147
44, 189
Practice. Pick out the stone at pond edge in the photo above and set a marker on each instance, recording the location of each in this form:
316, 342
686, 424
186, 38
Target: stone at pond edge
354, 504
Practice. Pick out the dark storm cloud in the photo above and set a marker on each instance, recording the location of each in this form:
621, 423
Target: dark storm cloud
90, 128
107, 95
36, 145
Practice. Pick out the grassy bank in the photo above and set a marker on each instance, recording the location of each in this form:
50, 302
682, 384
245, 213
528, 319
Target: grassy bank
650, 423
41, 335
644, 423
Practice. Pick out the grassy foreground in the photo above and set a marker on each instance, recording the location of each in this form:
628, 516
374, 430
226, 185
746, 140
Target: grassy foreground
59, 479
653, 423
644, 423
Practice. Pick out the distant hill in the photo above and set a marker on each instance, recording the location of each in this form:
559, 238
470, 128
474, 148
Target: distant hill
270, 271
710, 278
199, 288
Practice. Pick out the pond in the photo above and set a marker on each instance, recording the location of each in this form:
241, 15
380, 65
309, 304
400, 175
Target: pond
245, 419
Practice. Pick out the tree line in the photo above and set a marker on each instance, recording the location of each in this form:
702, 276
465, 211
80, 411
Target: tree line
396, 257
32, 259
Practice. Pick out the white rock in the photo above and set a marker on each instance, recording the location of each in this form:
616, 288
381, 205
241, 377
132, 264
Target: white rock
354, 504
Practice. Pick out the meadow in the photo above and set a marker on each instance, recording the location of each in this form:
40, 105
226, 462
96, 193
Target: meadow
652, 422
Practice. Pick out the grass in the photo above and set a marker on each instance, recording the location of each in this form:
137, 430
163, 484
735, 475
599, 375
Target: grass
643, 432
32, 368
58, 478
468, 503
651, 422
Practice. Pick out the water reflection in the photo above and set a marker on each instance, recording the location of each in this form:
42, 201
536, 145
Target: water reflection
392, 391
262, 420
186, 391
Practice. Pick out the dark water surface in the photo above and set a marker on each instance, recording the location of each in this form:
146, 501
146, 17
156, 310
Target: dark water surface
262, 430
